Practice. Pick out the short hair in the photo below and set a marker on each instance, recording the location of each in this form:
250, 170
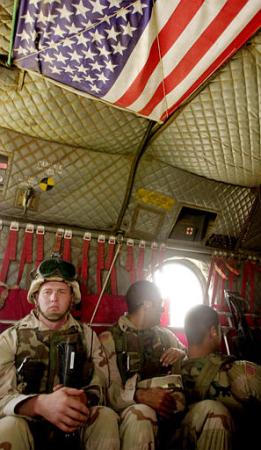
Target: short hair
198, 322
139, 292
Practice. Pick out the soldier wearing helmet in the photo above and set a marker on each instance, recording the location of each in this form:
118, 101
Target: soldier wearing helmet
53, 372
144, 389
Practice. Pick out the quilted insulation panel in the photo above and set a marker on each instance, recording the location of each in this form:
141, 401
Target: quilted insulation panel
231, 203
89, 187
217, 135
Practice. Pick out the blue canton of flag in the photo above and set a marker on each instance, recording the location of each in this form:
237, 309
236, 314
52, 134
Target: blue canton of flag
81, 43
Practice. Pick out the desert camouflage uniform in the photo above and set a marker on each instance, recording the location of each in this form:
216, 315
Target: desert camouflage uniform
218, 388
30, 337
139, 424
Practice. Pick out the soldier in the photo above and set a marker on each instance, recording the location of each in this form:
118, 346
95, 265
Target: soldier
220, 390
52, 372
141, 354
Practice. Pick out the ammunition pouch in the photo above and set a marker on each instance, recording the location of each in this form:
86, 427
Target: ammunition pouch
139, 351
30, 375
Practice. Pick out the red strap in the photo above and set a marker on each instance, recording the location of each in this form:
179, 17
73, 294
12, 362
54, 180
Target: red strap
222, 294
130, 260
10, 253
249, 278
39, 245
108, 264
58, 241
67, 245
233, 272
210, 275
100, 262
215, 287
162, 254
244, 279
110, 254
140, 272
27, 251
154, 256
85, 253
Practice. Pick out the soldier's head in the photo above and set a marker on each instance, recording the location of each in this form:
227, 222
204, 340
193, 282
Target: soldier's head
144, 298
54, 288
202, 328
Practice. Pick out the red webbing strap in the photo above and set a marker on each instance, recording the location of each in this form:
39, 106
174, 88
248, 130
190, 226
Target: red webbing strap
249, 278
39, 245
130, 267
154, 256
140, 266
220, 268
27, 251
85, 256
162, 254
108, 263
67, 245
210, 275
100, 262
233, 272
10, 251
215, 287
58, 241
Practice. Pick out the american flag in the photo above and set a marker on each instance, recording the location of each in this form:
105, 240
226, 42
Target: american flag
146, 56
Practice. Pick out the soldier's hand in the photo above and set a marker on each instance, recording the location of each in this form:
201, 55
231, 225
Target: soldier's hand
65, 408
158, 399
171, 355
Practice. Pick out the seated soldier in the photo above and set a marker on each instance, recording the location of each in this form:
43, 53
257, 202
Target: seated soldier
138, 350
219, 389
52, 372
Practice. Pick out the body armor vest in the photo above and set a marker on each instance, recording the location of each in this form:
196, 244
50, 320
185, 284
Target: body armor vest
139, 351
46, 358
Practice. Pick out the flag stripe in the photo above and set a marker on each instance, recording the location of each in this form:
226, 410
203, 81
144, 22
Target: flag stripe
206, 40
209, 58
245, 34
177, 22
194, 29
140, 53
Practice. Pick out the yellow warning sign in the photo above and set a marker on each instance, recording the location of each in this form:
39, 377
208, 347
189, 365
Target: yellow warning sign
46, 184
155, 198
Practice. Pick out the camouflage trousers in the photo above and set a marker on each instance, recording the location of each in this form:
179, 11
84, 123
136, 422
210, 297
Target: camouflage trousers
101, 432
138, 428
207, 426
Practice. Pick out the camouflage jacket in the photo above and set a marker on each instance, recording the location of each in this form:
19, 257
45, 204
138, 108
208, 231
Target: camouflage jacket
220, 377
12, 391
121, 393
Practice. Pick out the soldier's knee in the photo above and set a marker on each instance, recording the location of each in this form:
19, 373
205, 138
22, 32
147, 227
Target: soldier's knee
108, 415
14, 429
212, 407
141, 412
12, 424
207, 412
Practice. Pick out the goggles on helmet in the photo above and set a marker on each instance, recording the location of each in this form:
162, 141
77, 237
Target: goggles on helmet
55, 267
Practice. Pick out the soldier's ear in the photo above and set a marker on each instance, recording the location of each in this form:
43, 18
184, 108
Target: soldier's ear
147, 304
213, 331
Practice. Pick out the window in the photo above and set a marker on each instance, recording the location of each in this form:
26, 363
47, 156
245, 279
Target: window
182, 283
